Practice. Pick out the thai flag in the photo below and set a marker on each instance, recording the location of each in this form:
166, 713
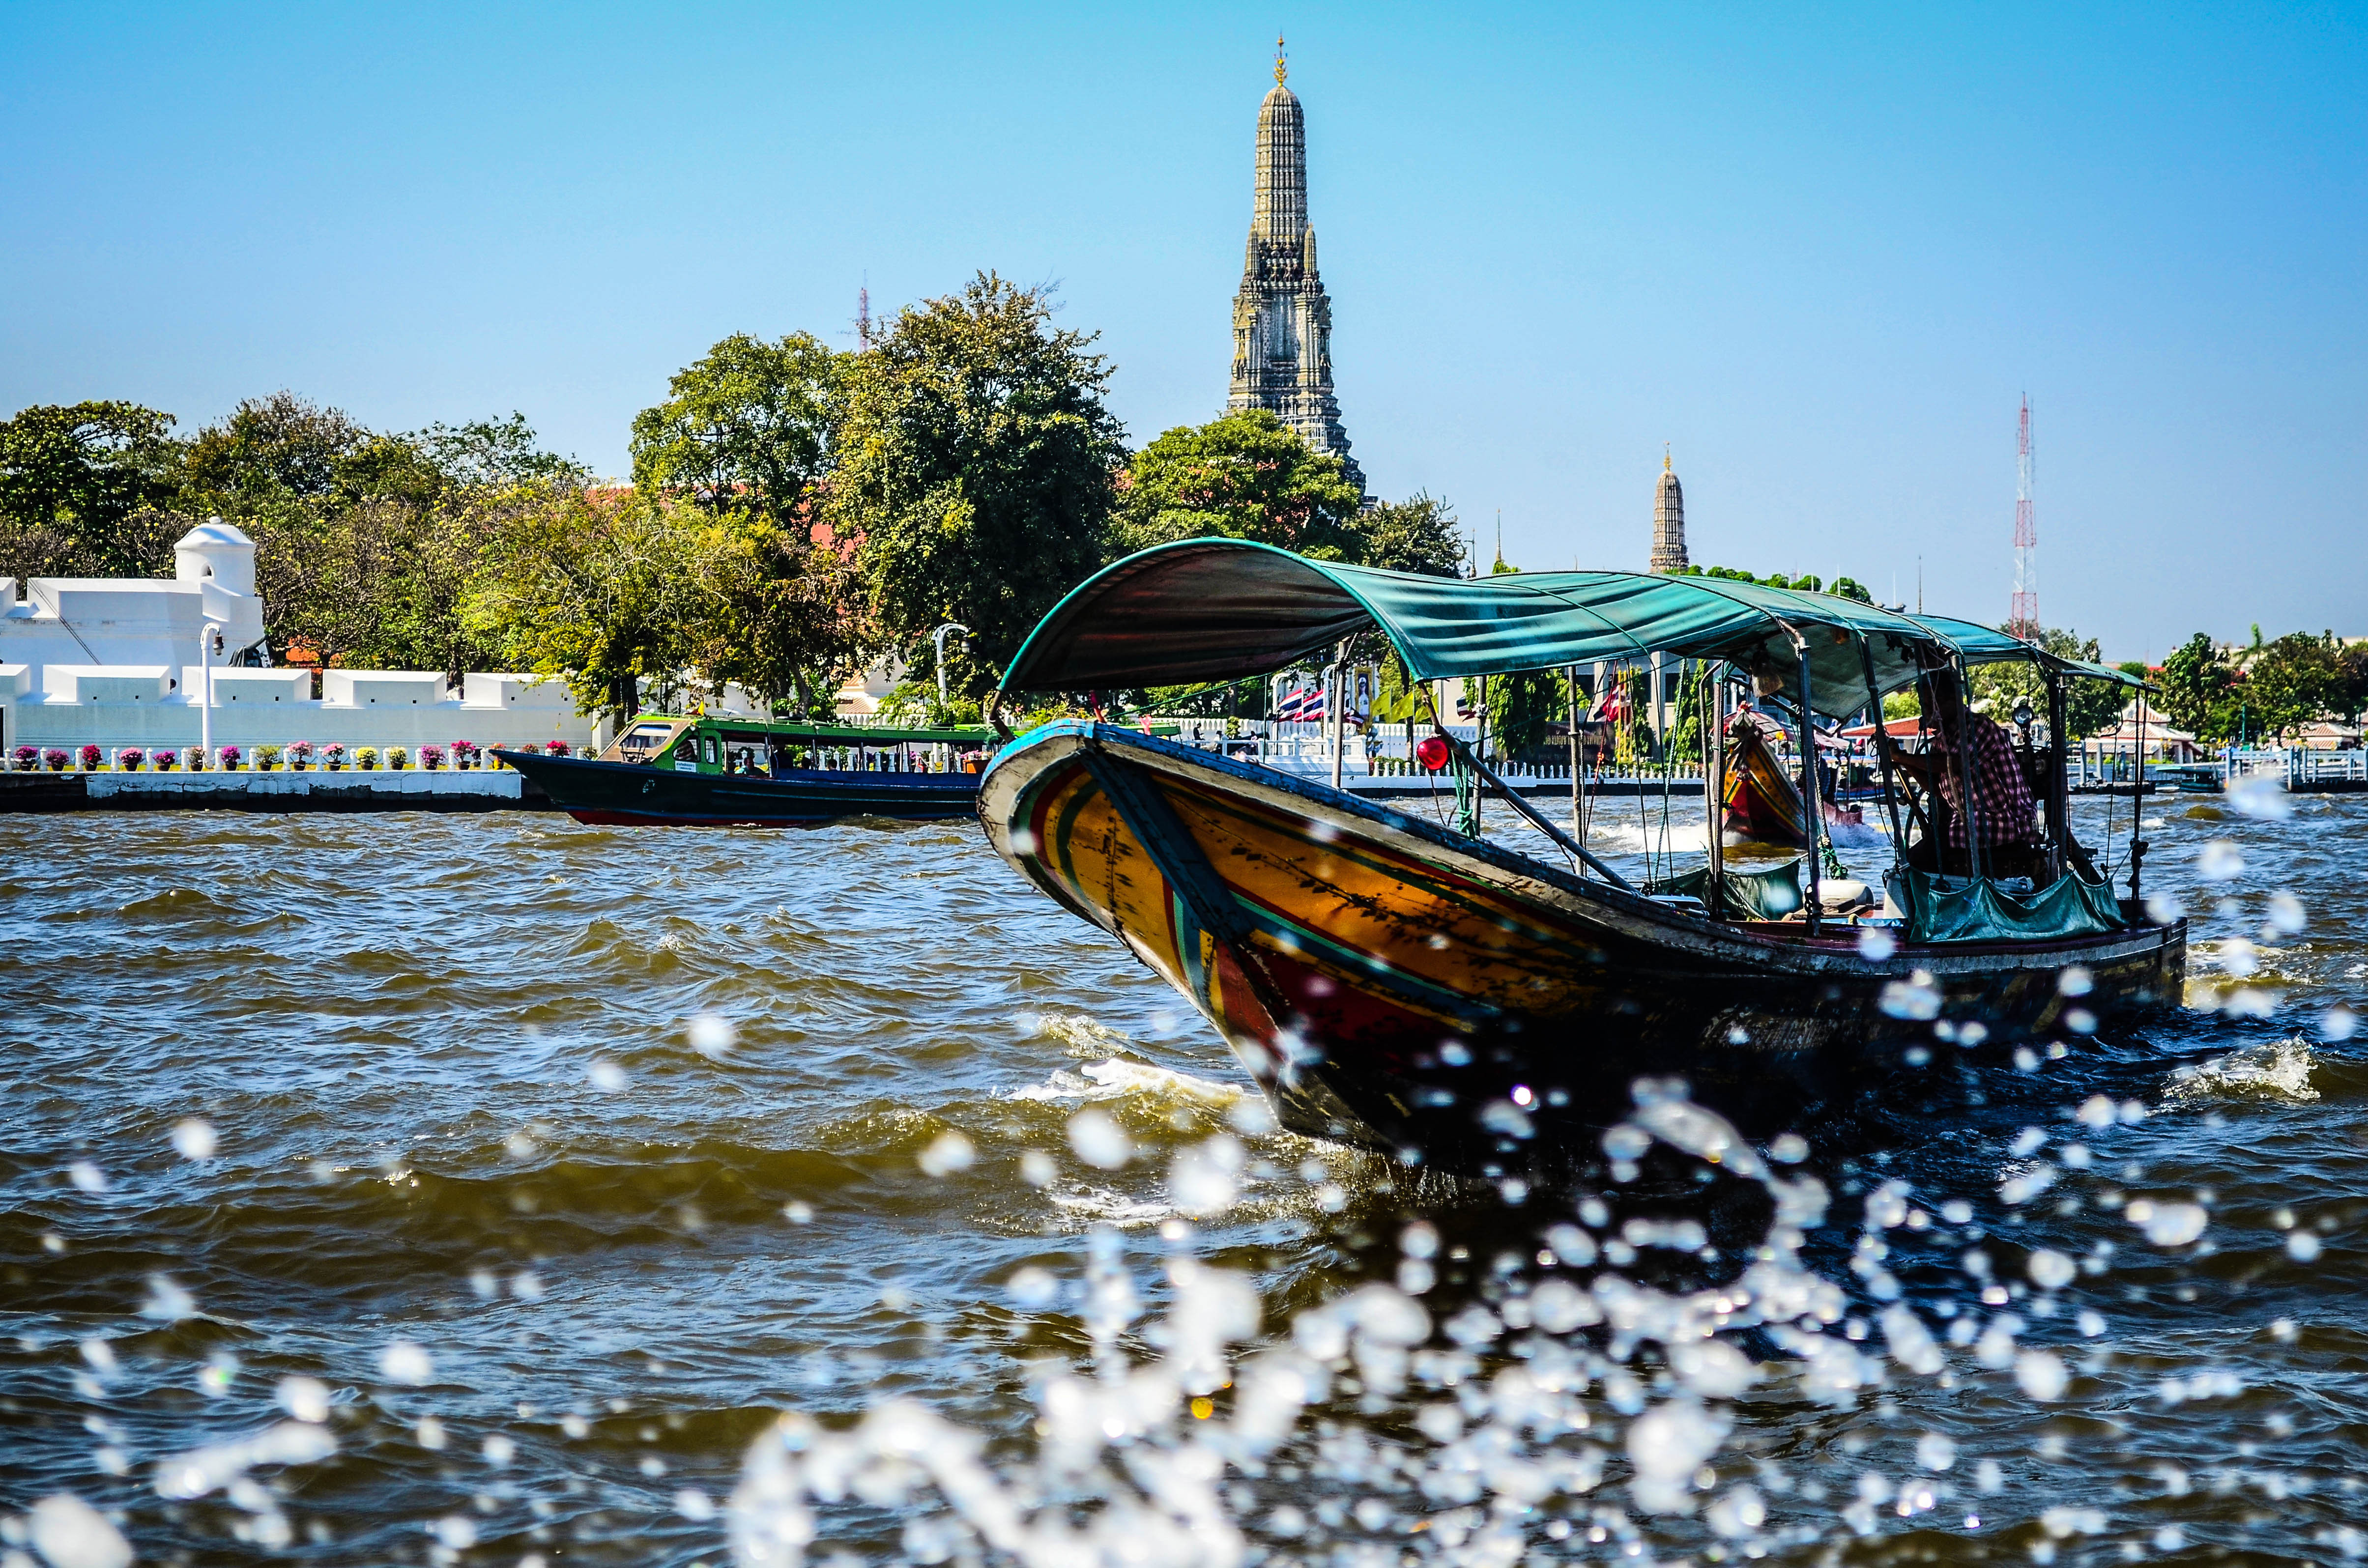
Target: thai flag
1288, 708
1311, 707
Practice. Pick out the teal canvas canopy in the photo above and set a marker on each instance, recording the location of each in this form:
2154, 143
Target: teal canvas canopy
1746, 895
1950, 909
1217, 610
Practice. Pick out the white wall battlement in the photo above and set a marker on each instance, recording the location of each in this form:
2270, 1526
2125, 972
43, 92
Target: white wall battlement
109, 661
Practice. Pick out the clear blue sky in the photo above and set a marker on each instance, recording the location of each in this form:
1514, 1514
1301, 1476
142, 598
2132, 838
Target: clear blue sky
1820, 253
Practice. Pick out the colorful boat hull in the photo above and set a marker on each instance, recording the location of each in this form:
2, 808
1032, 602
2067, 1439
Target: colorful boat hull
633, 795
1391, 983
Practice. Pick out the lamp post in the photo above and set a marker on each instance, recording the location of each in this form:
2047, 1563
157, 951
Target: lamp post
938, 638
209, 642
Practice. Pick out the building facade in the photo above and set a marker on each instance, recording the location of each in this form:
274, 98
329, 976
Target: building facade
1282, 318
1669, 524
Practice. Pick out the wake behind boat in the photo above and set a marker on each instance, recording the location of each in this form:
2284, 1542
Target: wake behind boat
720, 770
1427, 991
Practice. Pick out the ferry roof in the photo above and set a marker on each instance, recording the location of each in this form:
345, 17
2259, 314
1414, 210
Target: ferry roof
1216, 610
828, 734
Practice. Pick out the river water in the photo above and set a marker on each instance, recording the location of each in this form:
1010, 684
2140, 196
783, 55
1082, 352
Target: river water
390, 1189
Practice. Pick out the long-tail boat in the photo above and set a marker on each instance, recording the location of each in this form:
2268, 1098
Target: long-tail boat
1424, 989
733, 771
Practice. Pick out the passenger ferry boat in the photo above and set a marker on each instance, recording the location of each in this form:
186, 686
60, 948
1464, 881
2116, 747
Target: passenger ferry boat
1425, 988
731, 770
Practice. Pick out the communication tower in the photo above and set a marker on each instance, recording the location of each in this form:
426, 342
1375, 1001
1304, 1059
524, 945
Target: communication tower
2022, 613
863, 318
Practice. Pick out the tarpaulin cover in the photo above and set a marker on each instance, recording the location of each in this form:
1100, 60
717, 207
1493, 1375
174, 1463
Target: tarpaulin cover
1960, 909
1217, 610
1751, 895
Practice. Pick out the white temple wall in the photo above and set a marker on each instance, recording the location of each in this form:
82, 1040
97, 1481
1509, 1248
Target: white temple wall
106, 662
247, 718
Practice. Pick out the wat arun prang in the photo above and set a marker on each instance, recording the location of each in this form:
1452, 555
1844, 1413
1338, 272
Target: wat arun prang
1282, 318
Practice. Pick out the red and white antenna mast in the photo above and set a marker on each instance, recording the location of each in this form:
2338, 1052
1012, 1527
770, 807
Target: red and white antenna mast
2022, 615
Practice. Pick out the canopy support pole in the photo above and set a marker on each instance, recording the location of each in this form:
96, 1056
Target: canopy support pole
1972, 813
1714, 788
2059, 805
1578, 768
1539, 821
1883, 757
1809, 806
1338, 678
2138, 800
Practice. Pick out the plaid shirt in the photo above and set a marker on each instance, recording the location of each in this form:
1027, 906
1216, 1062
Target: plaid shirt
1999, 789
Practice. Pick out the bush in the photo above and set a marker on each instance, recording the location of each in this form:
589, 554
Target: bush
334, 754
431, 756
90, 757
57, 759
27, 758
366, 758
397, 758
300, 753
554, 748
267, 757
464, 754
194, 758
228, 759
130, 758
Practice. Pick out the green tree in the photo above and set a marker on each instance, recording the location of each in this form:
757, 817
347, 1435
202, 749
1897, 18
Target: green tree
783, 616
2089, 705
271, 451
1418, 534
491, 455
975, 468
72, 478
602, 591
1245, 474
2293, 681
748, 426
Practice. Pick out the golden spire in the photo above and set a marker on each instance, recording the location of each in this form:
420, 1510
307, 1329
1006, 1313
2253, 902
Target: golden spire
1665, 457
1279, 72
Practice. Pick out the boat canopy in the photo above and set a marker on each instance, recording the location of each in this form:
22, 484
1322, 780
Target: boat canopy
1218, 610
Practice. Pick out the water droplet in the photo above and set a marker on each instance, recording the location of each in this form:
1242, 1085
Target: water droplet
712, 1035
70, 1533
2219, 861
1098, 1141
948, 1153
306, 1399
193, 1139
404, 1362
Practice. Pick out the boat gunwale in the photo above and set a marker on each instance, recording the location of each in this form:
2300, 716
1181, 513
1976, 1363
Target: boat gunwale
1630, 915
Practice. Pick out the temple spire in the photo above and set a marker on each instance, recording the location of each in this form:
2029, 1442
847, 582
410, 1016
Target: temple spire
1282, 318
1668, 522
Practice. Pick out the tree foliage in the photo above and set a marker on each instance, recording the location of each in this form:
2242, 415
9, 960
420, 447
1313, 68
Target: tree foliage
71, 480
2090, 704
783, 616
1245, 474
1846, 587
1418, 534
975, 468
749, 426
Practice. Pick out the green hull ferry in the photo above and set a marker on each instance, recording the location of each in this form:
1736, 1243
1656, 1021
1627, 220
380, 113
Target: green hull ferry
723, 770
